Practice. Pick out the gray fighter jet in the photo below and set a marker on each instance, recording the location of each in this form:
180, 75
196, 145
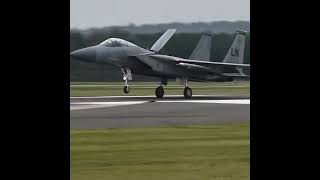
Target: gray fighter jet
133, 59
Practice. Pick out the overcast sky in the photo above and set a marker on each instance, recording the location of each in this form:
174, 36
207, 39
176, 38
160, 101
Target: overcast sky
100, 13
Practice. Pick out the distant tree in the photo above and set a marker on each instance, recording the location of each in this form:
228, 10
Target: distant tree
76, 40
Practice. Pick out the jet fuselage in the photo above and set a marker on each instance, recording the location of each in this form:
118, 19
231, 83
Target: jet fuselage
125, 57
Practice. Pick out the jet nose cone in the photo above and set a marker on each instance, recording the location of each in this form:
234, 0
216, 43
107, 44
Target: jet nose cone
85, 54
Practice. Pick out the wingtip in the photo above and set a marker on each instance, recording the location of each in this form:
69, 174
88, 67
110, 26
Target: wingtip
241, 31
208, 34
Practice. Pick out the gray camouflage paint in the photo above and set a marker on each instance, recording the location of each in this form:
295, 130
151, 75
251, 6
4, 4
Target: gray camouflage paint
149, 62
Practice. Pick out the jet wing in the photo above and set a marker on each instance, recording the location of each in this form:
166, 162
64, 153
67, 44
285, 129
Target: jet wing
194, 67
235, 75
209, 66
155, 61
202, 63
214, 64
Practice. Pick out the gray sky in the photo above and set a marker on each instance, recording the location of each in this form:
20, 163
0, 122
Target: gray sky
100, 13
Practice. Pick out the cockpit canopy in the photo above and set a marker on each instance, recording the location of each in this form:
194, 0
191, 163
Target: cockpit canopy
116, 42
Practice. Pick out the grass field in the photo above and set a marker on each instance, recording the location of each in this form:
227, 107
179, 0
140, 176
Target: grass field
212, 152
148, 88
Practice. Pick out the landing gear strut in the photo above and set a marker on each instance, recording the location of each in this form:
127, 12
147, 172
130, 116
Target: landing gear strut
126, 76
187, 92
159, 90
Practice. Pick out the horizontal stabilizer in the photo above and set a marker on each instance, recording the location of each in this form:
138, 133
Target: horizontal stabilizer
241, 31
235, 75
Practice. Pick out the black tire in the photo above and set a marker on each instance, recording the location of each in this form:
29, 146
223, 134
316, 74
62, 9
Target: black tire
187, 92
126, 89
159, 92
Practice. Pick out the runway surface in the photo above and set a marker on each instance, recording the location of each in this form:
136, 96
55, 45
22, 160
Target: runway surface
148, 111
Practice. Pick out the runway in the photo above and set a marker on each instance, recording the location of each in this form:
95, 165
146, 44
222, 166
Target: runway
148, 111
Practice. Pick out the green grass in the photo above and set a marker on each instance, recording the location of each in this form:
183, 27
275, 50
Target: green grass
212, 152
148, 88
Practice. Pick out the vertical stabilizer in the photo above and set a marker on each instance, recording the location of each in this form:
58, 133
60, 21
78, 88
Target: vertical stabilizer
236, 52
202, 50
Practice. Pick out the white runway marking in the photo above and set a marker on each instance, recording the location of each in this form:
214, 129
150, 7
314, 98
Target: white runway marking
102, 97
116, 85
91, 105
229, 101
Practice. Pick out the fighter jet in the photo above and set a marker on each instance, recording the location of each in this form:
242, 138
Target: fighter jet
132, 59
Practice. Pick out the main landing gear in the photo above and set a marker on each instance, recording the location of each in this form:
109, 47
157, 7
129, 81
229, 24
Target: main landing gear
126, 76
187, 92
159, 90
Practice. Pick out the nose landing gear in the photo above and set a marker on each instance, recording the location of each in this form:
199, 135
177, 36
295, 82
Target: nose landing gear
126, 76
187, 92
126, 89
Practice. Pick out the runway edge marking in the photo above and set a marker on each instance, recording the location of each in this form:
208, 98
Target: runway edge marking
93, 105
151, 96
229, 101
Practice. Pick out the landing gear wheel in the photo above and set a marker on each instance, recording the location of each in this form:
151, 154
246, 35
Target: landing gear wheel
126, 89
159, 92
187, 92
